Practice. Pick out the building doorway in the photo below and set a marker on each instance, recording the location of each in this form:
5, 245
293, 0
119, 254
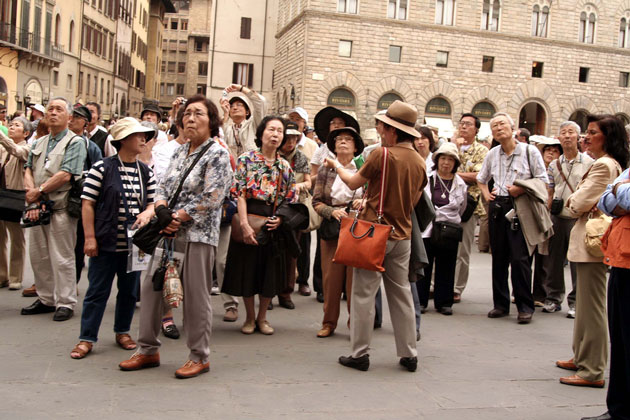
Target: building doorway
579, 117
534, 118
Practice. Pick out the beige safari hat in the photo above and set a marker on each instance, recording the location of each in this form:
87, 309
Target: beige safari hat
128, 126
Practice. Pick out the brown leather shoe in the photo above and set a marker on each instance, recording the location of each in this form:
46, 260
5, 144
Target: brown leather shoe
304, 290
524, 317
497, 313
30, 291
231, 315
326, 331
576, 380
140, 361
192, 369
567, 364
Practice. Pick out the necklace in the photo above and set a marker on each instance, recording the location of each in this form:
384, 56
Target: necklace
130, 181
445, 188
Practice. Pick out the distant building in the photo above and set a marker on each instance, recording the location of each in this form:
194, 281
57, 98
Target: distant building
541, 61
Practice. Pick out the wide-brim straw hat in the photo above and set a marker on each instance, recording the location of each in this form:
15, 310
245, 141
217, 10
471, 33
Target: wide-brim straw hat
448, 149
402, 116
326, 115
128, 126
358, 141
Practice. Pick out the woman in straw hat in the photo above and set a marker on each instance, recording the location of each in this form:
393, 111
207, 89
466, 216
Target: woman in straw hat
448, 195
121, 190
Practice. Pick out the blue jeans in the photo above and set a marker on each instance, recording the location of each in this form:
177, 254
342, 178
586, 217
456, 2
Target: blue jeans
101, 276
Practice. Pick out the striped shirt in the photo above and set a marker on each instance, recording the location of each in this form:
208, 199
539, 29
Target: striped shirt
132, 190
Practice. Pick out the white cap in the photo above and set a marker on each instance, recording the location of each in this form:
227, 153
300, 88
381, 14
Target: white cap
301, 112
38, 107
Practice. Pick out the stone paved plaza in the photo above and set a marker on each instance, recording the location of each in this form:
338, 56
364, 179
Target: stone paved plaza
471, 367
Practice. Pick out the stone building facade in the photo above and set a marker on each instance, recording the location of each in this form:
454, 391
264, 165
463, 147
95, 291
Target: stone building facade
155, 38
541, 61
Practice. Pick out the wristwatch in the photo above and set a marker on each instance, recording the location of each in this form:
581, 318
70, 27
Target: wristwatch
41, 189
338, 165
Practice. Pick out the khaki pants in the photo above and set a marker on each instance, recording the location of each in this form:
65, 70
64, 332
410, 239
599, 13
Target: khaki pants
11, 268
463, 254
590, 330
397, 287
333, 277
51, 251
229, 301
196, 276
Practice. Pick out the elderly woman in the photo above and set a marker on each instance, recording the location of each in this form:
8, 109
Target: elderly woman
425, 145
607, 142
448, 195
194, 219
117, 197
333, 200
263, 181
243, 110
13, 155
301, 171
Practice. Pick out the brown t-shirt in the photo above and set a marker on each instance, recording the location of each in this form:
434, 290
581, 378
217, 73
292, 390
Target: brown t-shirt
405, 180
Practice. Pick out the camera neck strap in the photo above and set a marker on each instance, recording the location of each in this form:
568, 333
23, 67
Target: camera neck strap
566, 181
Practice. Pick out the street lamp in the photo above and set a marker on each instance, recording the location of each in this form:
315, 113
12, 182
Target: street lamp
27, 101
45, 101
17, 98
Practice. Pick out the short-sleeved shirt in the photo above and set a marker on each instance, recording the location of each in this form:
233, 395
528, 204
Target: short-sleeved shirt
471, 159
505, 169
256, 179
74, 157
132, 190
404, 183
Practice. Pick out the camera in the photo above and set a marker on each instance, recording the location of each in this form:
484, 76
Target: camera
44, 215
515, 224
557, 204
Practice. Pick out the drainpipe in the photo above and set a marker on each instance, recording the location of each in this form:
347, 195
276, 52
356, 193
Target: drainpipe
214, 32
262, 69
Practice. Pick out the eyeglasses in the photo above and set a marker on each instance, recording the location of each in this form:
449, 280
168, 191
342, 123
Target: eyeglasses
196, 114
466, 124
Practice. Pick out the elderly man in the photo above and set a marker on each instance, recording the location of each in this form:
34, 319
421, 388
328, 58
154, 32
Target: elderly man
504, 165
471, 154
52, 162
96, 132
153, 113
522, 135
564, 175
404, 183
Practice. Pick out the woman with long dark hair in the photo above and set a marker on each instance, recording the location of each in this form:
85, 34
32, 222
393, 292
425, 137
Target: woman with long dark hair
607, 142
263, 181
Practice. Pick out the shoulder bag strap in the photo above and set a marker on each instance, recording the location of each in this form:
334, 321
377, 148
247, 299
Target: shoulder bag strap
275, 201
563, 176
381, 199
173, 200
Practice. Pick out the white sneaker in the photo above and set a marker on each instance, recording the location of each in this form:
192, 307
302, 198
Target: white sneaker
15, 286
571, 313
215, 290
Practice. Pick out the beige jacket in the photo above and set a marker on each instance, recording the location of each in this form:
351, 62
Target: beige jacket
241, 139
603, 172
533, 214
17, 155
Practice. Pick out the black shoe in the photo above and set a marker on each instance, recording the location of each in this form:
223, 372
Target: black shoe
524, 317
423, 309
377, 325
286, 303
605, 416
170, 331
418, 336
37, 307
320, 297
411, 363
360, 363
445, 310
63, 314
497, 313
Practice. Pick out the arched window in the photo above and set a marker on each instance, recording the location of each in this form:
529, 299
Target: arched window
580, 118
445, 12
71, 36
57, 30
623, 32
386, 100
587, 27
341, 98
540, 19
490, 16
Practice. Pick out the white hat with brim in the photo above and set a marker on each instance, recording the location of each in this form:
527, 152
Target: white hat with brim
38, 107
128, 126
448, 149
301, 112
402, 116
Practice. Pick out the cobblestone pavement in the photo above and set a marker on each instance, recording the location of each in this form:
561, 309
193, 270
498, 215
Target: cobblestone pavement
471, 367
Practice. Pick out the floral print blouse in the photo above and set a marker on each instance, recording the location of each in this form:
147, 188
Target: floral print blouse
256, 179
203, 191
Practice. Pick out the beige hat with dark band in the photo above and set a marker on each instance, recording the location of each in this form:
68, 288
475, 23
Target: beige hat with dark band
402, 116
128, 126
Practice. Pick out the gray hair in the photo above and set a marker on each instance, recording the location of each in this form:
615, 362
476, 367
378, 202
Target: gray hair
61, 98
573, 124
152, 126
503, 114
26, 124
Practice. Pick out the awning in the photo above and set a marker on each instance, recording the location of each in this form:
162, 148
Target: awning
444, 125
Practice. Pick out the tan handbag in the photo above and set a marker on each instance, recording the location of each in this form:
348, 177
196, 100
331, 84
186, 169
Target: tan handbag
596, 226
314, 219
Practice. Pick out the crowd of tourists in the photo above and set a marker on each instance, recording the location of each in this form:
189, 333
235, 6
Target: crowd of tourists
235, 195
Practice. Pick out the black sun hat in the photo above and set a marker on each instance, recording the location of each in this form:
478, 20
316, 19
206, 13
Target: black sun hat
326, 115
358, 141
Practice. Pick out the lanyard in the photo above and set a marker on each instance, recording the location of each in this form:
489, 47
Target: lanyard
129, 178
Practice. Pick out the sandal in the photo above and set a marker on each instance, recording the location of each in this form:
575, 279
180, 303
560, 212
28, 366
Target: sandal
126, 342
81, 350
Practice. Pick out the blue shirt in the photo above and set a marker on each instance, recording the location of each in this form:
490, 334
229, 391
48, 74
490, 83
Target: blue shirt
608, 202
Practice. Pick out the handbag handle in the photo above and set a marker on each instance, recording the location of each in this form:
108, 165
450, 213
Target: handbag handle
379, 212
173, 200
370, 231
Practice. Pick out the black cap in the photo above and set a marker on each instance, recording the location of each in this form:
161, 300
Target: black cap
151, 108
82, 112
